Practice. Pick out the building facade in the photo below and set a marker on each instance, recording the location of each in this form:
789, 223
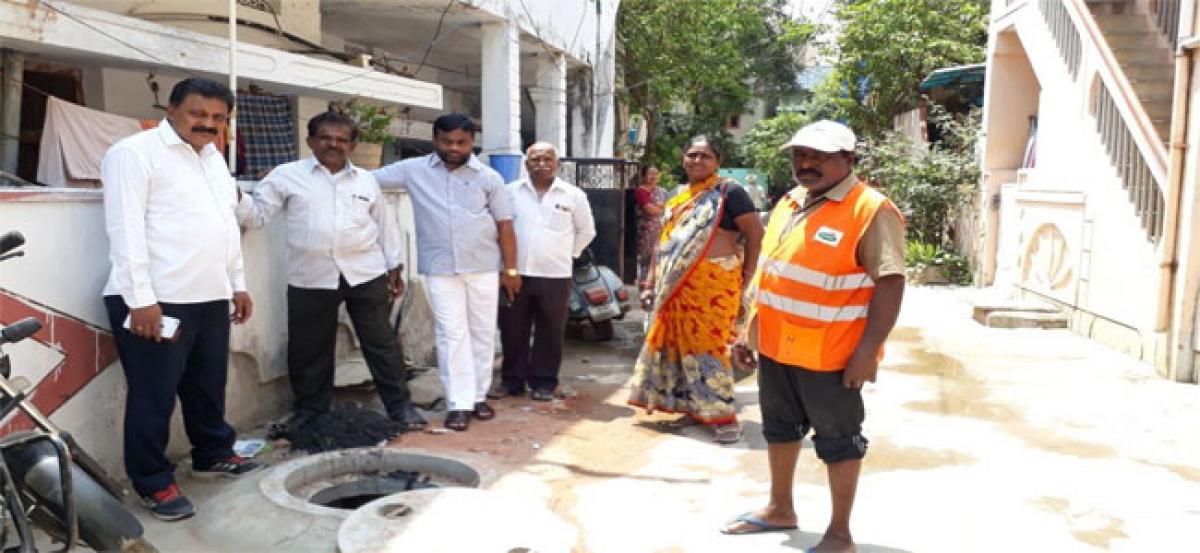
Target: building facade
1088, 197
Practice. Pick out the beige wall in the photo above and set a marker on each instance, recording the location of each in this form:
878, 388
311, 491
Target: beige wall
299, 17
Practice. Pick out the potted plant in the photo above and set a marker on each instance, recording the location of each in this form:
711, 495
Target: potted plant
374, 130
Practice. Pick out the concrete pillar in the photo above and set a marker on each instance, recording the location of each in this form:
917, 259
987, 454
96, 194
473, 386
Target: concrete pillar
10, 110
501, 94
550, 100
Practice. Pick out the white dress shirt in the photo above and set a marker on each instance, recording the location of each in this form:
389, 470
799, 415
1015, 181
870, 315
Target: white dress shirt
337, 224
456, 212
551, 229
169, 216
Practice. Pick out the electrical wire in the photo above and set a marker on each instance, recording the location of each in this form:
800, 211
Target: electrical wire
436, 33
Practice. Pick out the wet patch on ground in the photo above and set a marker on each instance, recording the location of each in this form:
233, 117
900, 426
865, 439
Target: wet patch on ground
1090, 527
962, 394
1182, 471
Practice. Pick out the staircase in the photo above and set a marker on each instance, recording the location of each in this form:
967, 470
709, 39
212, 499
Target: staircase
1142, 38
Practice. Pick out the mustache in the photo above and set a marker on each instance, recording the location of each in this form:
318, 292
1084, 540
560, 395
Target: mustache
207, 130
808, 172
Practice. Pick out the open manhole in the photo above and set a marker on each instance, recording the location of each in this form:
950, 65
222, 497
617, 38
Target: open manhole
336, 482
359, 492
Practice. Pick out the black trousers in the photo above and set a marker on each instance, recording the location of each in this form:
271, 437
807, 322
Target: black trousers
541, 304
312, 341
195, 368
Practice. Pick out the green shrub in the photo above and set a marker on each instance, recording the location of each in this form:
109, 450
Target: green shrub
953, 267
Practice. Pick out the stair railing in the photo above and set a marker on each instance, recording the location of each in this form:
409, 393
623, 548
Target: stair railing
1166, 15
1126, 131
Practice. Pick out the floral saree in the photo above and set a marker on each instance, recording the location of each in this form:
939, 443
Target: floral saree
684, 366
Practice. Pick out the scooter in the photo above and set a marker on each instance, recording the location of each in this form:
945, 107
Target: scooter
598, 297
45, 476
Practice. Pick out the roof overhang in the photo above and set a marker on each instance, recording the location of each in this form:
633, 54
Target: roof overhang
75, 33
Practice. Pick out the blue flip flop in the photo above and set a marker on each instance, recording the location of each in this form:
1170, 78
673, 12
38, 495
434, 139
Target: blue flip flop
760, 526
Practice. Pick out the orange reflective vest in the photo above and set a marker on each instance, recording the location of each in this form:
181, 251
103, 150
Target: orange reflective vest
812, 294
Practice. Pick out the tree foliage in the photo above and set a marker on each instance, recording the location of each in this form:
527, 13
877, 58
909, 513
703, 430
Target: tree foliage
887, 47
761, 148
710, 57
929, 185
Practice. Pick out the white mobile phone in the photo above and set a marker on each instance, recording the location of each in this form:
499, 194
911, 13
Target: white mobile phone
170, 326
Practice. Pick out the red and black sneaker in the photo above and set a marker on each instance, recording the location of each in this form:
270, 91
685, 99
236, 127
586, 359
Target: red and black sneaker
169, 503
230, 467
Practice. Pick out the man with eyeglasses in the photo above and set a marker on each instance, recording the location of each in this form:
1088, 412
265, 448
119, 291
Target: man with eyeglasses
343, 247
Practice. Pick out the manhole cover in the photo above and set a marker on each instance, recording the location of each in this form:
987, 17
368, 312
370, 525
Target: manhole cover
433, 520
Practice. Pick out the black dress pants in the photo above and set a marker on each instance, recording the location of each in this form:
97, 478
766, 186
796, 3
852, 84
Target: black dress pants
312, 341
195, 368
542, 305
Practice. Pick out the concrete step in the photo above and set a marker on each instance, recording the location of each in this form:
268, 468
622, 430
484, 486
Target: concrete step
1140, 54
1149, 90
985, 307
1149, 71
1130, 40
1113, 7
1025, 319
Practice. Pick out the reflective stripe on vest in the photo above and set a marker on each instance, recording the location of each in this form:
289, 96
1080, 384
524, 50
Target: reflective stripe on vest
825, 281
823, 313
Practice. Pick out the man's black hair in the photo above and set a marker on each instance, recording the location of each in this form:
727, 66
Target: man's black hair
333, 118
453, 122
205, 88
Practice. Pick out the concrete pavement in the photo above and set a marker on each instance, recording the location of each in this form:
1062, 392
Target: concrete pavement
981, 440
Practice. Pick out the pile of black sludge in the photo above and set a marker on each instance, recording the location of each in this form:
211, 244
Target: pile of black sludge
343, 427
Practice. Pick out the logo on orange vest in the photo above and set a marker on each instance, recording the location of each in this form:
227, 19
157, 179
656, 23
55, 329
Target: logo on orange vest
828, 236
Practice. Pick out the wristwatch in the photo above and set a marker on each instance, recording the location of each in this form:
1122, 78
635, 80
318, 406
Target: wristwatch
511, 272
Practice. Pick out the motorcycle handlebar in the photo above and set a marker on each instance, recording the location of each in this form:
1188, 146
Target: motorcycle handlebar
19, 330
11, 241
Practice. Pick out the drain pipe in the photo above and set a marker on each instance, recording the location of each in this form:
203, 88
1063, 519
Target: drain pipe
1168, 262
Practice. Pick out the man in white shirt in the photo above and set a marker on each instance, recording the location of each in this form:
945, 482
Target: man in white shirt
464, 237
176, 252
343, 246
554, 223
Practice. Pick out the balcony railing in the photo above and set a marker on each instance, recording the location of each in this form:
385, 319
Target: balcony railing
1131, 166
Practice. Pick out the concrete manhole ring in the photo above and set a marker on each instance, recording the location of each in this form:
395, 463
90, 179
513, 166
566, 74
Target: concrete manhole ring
292, 484
432, 521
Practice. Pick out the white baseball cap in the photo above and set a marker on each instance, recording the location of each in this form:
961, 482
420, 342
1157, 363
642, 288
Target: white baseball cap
825, 135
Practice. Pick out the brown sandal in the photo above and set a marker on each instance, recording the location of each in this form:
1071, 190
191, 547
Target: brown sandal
727, 434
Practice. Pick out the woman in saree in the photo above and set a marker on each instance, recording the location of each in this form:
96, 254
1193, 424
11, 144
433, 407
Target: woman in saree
650, 199
707, 250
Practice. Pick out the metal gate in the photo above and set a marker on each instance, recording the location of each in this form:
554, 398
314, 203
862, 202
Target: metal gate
608, 183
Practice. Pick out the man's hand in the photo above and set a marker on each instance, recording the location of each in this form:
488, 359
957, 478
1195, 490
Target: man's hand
242, 307
146, 322
395, 279
861, 368
743, 358
511, 284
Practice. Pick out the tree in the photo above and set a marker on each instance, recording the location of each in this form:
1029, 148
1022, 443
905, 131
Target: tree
710, 56
887, 47
762, 148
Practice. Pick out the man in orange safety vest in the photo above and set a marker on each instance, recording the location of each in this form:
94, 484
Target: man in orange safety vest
826, 294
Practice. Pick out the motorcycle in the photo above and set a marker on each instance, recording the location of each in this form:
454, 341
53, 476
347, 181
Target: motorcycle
598, 297
46, 478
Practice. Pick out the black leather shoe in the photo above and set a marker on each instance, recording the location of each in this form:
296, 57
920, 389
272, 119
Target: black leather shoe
458, 420
411, 419
483, 411
501, 392
541, 395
